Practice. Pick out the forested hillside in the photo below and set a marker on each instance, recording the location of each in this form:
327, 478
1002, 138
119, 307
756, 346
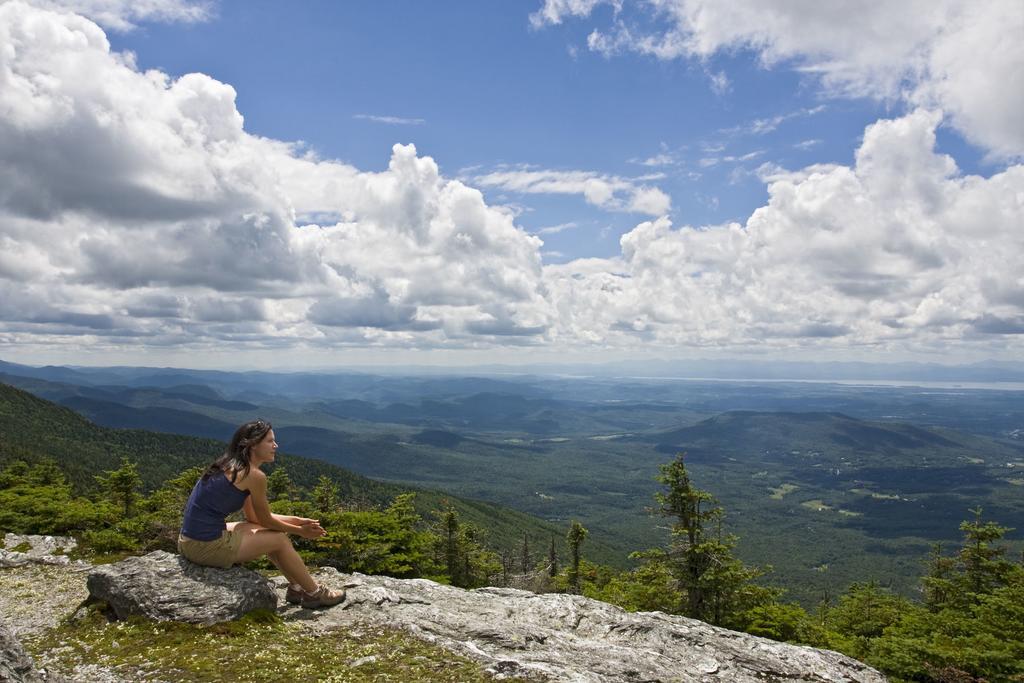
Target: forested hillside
36, 431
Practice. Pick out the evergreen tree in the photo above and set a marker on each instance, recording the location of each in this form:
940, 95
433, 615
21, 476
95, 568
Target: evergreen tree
479, 563
15, 474
525, 559
30, 507
122, 486
279, 485
649, 587
575, 538
717, 586
389, 541
864, 612
325, 494
46, 473
507, 563
971, 627
684, 502
552, 559
462, 550
983, 565
449, 523
939, 581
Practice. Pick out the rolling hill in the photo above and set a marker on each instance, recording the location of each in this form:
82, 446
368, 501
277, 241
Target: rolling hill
35, 429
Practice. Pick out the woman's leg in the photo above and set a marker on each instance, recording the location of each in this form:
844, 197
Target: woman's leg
258, 541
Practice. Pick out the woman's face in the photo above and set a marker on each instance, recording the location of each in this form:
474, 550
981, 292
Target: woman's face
264, 451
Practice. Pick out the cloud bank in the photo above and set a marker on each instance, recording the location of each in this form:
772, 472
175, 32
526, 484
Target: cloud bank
135, 205
136, 211
898, 250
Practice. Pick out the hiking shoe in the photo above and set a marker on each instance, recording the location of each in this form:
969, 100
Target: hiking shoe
294, 594
321, 597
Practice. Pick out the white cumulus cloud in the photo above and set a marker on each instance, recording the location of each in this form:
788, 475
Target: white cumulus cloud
134, 205
899, 250
964, 57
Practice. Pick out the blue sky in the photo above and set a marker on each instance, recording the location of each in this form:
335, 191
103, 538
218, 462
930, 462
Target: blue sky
497, 181
476, 87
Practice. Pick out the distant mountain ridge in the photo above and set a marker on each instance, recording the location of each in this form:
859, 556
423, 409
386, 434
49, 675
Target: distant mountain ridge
487, 377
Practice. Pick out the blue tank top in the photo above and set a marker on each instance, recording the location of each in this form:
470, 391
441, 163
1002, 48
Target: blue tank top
211, 501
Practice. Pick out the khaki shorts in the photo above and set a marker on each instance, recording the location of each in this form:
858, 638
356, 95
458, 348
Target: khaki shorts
220, 552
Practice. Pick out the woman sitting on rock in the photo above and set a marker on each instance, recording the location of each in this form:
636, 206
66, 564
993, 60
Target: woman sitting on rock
235, 482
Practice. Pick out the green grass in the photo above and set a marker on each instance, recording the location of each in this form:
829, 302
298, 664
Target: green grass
780, 491
259, 647
875, 495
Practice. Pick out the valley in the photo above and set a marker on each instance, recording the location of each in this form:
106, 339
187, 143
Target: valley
829, 484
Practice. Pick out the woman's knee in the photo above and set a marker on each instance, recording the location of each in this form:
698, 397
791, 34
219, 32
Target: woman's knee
280, 541
262, 543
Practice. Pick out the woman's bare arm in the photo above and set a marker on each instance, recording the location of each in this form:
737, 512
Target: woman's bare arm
257, 509
250, 515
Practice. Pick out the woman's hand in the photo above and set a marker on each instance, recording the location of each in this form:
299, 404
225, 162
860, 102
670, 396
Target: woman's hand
311, 529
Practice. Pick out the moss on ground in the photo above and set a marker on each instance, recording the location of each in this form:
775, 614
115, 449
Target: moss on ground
258, 647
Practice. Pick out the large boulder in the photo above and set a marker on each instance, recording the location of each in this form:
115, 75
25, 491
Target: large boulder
572, 638
15, 664
167, 587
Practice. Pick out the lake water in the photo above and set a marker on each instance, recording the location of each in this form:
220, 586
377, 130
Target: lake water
922, 384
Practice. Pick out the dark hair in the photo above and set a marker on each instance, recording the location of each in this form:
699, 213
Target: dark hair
236, 457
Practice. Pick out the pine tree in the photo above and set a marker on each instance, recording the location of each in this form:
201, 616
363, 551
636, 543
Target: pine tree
969, 628
552, 559
984, 567
325, 494
575, 537
462, 550
449, 522
122, 486
525, 559
939, 580
684, 502
717, 586
279, 485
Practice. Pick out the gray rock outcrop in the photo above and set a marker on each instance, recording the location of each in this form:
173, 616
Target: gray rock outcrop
167, 587
15, 664
572, 638
39, 550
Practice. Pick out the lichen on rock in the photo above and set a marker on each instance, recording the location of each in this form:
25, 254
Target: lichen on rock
570, 637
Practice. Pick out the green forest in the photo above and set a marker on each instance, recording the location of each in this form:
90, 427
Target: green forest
123, 491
